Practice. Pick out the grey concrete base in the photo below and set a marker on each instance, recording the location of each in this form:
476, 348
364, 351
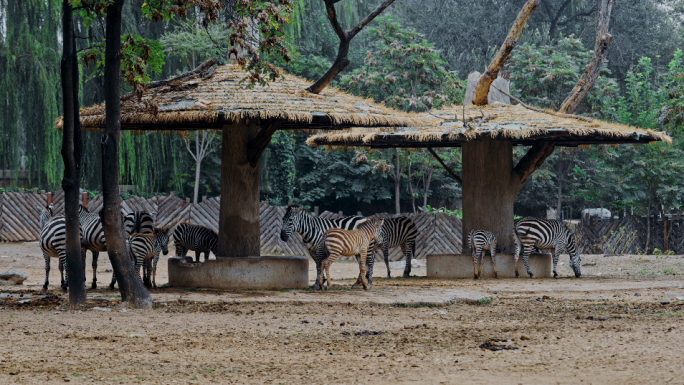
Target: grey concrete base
461, 266
270, 272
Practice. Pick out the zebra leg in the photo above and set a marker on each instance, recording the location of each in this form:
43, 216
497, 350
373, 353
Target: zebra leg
556, 253
407, 257
63, 271
324, 270
476, 256
83, 263
385, 255
493, 255
370, 262
47, 271
96, 254
362, 269
154, 270
181, 251
146, 272
480, 261
526, 259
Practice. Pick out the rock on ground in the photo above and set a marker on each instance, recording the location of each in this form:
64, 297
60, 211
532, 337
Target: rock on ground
12, 277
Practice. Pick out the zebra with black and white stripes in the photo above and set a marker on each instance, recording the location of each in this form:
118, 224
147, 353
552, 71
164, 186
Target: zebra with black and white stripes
479, 241
397, 232
312, 229
193, 237
92, 238
144, 249
138, 222
545, 234
161, 245
53, 244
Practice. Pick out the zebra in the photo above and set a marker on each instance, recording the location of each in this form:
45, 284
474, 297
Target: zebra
479, 241
161, 244
138, 222
397, 232
545, 234
298, 219
197, 238
349, 243
53, 244
92, 238
144, 249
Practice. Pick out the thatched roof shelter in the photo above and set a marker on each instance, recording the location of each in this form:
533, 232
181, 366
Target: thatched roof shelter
219, 96
519, 125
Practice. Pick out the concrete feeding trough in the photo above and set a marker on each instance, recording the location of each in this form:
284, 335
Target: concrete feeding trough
451, 266
267, 272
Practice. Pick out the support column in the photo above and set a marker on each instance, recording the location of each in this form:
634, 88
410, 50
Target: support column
489, 189
239, 215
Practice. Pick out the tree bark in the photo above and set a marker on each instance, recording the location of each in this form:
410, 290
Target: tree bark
131, 287
559, 205
410, 184
341, 61
397, 184
446, 168
490, 186
198, 164
426, 186
492, 72
593, 69
71, 155
239, 214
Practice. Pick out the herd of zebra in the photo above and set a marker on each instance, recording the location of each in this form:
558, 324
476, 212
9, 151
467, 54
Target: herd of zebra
327, 239
144, 242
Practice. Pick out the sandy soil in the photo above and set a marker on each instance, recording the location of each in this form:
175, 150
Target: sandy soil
623, 322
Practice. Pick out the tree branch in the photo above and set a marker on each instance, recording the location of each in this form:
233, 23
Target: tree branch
578, 14
584, 118
492, 72
342, 61
534, 158
259, 144
593, 69
448, 170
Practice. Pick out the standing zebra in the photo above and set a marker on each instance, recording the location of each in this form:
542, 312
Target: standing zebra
337, 242
197, 238
53, 244
161, 244
545, 234
144, 248
138, 222
479, 241
298, 219
398, 232
92, 238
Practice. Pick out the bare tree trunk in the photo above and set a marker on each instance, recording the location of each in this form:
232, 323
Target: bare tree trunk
482, 90
130, 286
239, 214
648, 224
397, 184
71, 155
410, 183
559, 205
593, 69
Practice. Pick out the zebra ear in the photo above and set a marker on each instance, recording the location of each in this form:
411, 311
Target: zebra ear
299, 209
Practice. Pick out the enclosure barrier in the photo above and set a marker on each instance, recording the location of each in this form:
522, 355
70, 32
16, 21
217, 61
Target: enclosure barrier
438, 233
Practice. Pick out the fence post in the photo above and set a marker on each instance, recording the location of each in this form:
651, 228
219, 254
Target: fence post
35, 190
341, 213
49, 197
359, 214
85, 199
316, 210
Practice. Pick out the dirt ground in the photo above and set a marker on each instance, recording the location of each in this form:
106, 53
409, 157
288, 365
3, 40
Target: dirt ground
622, 322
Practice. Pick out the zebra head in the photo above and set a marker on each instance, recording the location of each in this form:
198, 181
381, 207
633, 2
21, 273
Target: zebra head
291, 221
573, 250
377, 237
161, 239
46, 214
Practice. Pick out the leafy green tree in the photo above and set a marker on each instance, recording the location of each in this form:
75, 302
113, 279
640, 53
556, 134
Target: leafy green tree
403, 71
278, 176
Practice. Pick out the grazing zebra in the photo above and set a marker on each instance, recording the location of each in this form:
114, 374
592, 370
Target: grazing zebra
479, 241
138, 222
53, 244
92, 238
545, 234
397, 232
197, 238
349, 243
298, 219
161, 244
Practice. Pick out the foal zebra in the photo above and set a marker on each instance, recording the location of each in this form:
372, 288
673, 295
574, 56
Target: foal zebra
397, 232
479, 241
161, 244
53, 244
545, 234
349, 243
312, 229
197, 238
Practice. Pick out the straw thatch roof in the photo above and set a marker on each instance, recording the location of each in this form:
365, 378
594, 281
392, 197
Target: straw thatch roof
504, 122
222, 97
